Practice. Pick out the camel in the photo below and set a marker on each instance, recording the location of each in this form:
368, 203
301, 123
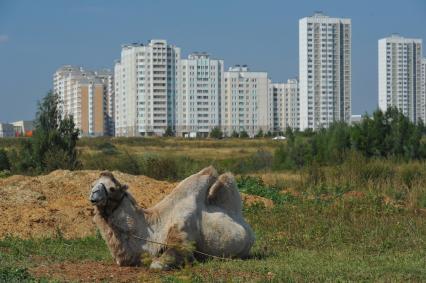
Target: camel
202, 214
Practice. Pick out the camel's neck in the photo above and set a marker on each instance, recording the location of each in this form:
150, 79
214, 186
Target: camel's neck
129, 226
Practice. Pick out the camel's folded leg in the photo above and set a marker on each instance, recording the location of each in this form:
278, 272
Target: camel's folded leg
171, 258
179, 251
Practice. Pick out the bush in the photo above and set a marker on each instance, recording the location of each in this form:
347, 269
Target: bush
14, 275
376, 171
255, 186
4, 160
5, 174
160, 168
107, 148
411, 173
244, 134
169, 132
216, 133
128, 163
259, 134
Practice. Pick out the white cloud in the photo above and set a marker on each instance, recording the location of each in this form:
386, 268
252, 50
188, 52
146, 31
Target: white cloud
4, 38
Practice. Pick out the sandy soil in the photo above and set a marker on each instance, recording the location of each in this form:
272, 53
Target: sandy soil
43, 205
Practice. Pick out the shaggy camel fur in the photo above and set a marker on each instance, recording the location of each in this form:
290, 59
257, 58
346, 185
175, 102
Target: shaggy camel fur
203, 211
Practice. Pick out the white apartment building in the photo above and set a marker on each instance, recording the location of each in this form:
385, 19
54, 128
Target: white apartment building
146, 85
400, 71
84, 95
324, 71
247, 102
286, 105
107, 78
198, 101
423, 78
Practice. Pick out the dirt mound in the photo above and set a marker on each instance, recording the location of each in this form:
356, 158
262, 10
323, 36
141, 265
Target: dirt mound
58, 203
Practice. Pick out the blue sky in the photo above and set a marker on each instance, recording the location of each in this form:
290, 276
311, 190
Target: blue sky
36, 37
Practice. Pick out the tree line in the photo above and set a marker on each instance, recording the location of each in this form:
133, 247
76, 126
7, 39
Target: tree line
387, 134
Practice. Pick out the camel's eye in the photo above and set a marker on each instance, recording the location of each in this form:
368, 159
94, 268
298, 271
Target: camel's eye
112, 189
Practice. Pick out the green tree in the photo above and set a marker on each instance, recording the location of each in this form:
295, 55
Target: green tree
53, 145
234, 134
169, 132
259, 134
216, 133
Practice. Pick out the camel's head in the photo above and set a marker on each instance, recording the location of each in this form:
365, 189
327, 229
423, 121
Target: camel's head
107, 191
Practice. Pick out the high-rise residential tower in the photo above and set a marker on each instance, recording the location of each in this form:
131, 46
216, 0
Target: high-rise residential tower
286, 105
324, 71
86, 96
400, 71
198, 101
247, 102
146, 85
424, 89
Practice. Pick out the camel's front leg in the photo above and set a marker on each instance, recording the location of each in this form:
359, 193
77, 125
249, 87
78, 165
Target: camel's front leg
179, 250
171, 258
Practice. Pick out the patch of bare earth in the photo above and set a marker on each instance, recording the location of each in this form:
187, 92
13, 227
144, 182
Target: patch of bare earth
94, 272
43, 205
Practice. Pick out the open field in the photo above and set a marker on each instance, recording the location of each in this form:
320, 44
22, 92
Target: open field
364, 220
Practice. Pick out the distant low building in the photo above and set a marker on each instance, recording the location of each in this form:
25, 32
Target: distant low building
356, 119
23, 128
6, 130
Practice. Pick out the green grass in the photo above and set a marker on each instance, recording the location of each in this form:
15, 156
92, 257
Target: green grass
317, 230
300, 239
19, 253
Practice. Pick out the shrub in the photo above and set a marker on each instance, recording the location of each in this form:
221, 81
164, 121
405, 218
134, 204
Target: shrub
169, 132
259, 134
4, 160
261, 159
107, 148
411, 173
376, 171
255, 186
216, 133
128, 163
160, 168
244, 134
14, 275
5, 174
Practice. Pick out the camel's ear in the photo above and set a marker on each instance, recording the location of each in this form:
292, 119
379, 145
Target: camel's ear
124, 187
107, 174
111, 176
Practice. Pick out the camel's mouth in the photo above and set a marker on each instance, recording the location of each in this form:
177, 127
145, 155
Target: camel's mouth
98, 195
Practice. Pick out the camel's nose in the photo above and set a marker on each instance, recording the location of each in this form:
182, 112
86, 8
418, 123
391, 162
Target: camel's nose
94, 197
